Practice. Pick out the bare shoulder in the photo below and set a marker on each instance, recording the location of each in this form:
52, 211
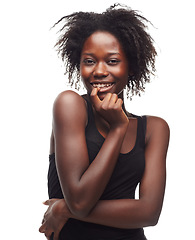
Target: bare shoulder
68, 98
69, 105
156, 122
157, 127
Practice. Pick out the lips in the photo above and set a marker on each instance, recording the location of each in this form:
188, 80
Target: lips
103, 86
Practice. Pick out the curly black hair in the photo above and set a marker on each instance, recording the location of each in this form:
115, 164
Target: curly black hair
126, 25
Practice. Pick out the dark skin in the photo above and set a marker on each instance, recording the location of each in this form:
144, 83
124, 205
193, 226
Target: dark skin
103, 61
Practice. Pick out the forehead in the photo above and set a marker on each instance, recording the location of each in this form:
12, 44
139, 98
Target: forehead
101, 40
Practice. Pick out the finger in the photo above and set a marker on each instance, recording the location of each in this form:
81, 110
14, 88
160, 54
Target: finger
94, 98
114, 98
50, 201
46, 202
42, 228
119, 102
119, 105
45, 216
106, 101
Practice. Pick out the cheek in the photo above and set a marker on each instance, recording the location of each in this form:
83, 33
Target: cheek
85, 77
121, 73
85, 72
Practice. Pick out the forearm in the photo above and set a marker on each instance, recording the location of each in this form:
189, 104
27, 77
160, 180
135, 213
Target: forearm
94, 180
83, 187
121, 213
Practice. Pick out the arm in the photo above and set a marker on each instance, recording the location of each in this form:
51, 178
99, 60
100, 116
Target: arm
82, 184
130, 213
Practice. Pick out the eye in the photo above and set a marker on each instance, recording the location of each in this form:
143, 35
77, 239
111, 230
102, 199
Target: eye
113, 61
88, 61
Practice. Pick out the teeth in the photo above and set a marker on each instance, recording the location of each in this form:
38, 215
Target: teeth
101, 85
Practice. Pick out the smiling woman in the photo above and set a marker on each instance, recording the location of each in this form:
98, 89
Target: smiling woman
99, 151
104, 64
122, 22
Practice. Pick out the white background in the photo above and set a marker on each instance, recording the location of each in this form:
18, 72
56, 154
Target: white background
31, 76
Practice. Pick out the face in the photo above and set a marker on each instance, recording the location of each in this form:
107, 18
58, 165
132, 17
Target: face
104, 64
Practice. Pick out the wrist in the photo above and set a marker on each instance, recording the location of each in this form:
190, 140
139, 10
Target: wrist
122, 124
120, 128
61, 210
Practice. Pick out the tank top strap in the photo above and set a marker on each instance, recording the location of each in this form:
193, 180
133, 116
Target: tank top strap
142, 122
89, 111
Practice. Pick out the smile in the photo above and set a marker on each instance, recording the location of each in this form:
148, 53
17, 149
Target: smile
104, 87
101, 85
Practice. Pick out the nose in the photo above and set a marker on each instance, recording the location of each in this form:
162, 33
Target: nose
100, 71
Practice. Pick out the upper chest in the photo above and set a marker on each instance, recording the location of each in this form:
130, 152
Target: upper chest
129, 138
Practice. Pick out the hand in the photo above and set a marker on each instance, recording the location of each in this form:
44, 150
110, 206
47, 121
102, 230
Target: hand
54, 218
110, 108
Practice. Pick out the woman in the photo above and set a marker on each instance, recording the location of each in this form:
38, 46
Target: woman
100, 152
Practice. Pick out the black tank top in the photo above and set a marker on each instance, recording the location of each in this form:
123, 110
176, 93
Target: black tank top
123, 182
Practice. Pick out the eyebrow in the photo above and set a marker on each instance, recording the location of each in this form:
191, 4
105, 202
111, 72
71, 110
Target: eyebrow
109, 54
